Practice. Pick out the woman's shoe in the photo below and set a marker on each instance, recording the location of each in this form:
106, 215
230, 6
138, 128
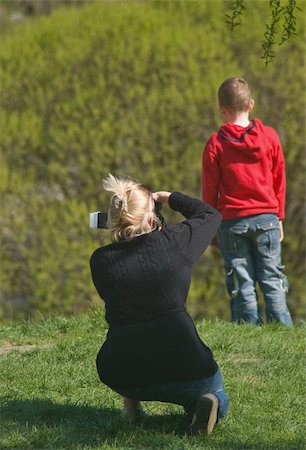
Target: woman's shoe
133, 414
205, 415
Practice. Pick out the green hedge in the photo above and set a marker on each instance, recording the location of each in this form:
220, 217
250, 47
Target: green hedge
126, 87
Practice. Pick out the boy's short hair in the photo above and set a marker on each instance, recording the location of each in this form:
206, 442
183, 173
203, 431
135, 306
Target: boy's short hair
234, 94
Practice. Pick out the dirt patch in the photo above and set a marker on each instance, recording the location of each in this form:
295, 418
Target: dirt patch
6, 347
251, 379
236, 357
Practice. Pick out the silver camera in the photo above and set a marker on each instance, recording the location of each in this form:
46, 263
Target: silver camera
98, 219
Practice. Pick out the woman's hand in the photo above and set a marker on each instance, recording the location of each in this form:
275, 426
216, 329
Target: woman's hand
161, 196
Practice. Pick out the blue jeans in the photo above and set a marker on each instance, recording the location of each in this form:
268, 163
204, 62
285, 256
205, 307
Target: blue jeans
184, 393
252, 253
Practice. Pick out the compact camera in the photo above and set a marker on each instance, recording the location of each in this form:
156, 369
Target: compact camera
98, 219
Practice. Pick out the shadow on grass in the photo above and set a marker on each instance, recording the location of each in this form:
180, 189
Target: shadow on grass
43, 424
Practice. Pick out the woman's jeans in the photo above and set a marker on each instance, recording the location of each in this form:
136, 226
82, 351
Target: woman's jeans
252, 253
184, 393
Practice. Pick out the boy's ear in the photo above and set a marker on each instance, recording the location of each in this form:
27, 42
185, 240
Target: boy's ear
223, 110
251, 106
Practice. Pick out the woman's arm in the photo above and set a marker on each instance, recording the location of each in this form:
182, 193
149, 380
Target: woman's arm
196, 233
192, 207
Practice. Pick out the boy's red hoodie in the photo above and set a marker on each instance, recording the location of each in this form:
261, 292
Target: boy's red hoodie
243, 171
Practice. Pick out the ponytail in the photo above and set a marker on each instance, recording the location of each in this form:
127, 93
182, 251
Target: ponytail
131, 211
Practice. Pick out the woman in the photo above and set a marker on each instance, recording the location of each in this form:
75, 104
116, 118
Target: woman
152, 350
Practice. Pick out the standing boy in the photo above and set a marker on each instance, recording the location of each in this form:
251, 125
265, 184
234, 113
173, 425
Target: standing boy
244, 178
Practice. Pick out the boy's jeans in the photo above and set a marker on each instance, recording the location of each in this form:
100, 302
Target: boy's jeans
252, 253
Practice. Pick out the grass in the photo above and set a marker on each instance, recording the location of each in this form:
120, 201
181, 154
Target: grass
51, 397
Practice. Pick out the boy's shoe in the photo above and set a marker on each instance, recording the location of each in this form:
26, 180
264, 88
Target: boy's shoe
205, 415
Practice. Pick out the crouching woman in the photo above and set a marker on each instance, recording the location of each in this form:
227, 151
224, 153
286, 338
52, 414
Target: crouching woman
153, 351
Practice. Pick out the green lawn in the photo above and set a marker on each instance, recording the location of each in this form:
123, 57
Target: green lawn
51, 396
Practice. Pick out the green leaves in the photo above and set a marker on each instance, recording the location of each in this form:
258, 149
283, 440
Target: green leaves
234, 19
282, 21
128, 88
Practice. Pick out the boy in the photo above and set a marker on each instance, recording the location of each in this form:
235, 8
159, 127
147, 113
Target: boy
244, 178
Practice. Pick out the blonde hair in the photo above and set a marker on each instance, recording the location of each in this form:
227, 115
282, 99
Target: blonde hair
131, 210
234, 94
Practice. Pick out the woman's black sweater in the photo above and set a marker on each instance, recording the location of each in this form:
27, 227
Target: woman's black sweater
144, 283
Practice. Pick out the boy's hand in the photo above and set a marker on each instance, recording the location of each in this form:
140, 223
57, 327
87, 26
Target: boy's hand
281, 231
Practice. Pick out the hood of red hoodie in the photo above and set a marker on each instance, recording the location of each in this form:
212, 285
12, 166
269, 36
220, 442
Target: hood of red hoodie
248, 139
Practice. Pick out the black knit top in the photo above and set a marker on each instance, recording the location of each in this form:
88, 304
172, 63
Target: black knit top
144, 283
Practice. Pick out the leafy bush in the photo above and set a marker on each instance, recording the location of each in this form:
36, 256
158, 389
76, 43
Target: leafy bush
125, 88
